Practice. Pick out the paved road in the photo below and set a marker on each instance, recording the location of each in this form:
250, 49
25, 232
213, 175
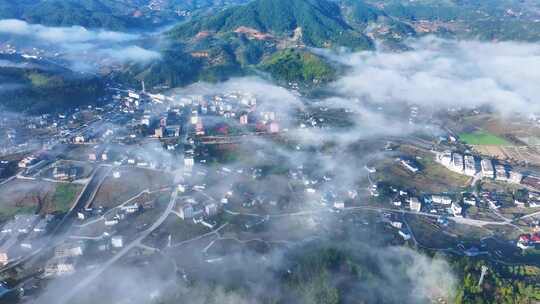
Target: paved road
85, 197
136, 243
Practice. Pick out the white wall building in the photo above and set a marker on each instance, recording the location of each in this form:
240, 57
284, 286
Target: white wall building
470, 165
488, 171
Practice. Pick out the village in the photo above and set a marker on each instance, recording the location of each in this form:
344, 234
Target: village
146, 173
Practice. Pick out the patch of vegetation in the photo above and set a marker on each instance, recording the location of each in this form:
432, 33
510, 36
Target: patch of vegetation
502, 284
299, 66
321, 22
45, 89
8, 212
38, 80
483, 138
63, 197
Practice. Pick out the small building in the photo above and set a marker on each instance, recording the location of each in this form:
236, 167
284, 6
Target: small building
339, 205
404, 234
68, 250
92, 156
211, 209
78, 139
409, 165
132, 208
111, 222
415, 204
172, 131
189, 162
469, 200
59, 267
500, 173
28, 161
458, 164
488, 170
456, 209
117, 241
441, 199
470, 165
396, 224
444, 159
64, 173
493, 203
244, 119
186, 211
4, 259
273, 127
515, 177
158, 132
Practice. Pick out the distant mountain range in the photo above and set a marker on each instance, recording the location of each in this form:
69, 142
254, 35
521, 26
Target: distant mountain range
120, 15
320, 23
217, 39
31, 86
240, 38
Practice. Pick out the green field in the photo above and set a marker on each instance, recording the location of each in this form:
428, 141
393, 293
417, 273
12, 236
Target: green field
483, 138
63, 196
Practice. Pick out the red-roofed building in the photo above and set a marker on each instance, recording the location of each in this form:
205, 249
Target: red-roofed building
525, 238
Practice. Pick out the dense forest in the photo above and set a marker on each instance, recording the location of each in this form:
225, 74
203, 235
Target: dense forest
38, 89
293, 65
327, 273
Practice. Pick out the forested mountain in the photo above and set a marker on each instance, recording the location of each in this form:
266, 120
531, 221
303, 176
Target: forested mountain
255, 36
122, 15
36, 88
217, 39
295, 65
320, 22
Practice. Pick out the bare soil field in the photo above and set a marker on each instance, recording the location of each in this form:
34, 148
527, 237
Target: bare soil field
29, 196
132, 181
517, 154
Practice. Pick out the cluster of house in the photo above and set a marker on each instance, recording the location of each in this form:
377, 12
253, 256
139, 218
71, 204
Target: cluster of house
188, 208
124, 155
472, 166
65, 258
121, 213
68, 253
210, 115
409, 164
29, 161
526, 241
23, 230
393, 220
66, 172
435, 203
531, 199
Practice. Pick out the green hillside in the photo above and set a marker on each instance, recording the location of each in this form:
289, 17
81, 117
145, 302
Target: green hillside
321, 22
292, 65
121, 15
42, 89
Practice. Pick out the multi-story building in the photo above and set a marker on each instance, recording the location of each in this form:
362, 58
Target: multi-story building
441, 199
500, 173
415, 204
515, 177
186, 212
470, 165
457, 164
488, 170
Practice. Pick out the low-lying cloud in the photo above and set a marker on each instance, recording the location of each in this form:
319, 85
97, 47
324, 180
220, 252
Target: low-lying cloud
83, 48
74, 34
447, 73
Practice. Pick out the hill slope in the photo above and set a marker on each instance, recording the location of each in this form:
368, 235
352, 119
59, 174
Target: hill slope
320, 21
29, 86
292, 65
117, 15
